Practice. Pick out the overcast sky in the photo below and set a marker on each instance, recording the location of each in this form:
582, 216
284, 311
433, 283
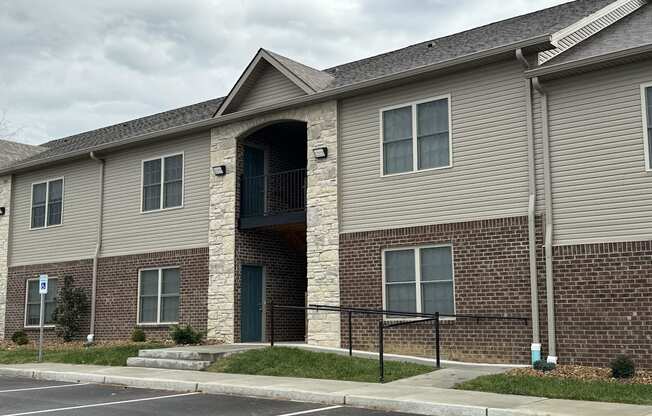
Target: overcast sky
72, 66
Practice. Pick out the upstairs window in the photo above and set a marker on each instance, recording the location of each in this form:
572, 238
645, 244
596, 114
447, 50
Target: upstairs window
33, 303
416, 136
163, 183
419, 280
47, 203
647, 124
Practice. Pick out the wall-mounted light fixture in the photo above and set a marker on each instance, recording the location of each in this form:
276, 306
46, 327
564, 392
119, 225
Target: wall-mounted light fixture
320, 152
219, 170
2, 211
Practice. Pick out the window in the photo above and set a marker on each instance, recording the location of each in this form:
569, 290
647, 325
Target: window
647, 124
47, 203
33, 303
158, 296
163, 183
419, 280
416, 136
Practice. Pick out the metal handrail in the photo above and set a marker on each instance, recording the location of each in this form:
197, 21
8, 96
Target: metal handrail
273, 193
427, 317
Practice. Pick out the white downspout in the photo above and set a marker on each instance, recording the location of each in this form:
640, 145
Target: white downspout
98, 245
531, 218
549, 223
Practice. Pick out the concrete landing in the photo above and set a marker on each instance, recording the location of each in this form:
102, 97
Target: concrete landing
196, 357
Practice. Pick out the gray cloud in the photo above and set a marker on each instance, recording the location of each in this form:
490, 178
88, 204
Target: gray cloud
67, 67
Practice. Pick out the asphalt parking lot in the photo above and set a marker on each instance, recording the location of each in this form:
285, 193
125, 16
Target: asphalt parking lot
23, 396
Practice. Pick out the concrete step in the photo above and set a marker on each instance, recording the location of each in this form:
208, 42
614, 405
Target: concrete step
170, 354
172, 364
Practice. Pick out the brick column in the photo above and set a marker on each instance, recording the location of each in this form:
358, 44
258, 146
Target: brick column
5, 200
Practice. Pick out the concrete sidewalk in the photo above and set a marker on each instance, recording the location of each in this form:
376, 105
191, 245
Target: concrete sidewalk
396, 396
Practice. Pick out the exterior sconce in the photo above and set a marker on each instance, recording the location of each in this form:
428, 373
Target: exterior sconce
320, 152
219, 170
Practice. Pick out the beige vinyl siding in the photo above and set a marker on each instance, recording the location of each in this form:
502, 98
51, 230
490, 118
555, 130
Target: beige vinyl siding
72, 240
489, 143
600, 187
266, 85
126, 230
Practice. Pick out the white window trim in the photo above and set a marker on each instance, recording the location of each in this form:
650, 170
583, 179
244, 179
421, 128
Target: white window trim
646, 138
415, 156
183, 182
27, 298
417, 276
158, 304
47, 201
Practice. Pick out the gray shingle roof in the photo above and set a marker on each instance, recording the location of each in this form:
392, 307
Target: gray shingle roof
12, 151
486, 37
631, 31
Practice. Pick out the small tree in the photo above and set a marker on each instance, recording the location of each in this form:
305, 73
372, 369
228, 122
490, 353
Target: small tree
71, 305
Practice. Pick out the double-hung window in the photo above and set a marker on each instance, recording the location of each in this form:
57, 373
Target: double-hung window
647, 123
416, 136
47, 203
159, 296
33, 303
163, 183
419, 280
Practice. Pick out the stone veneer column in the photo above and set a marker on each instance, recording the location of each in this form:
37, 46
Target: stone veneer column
221, 236
5, 200
322, 222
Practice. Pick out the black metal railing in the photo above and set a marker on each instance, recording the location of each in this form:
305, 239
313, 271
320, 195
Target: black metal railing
382, 325
275, 193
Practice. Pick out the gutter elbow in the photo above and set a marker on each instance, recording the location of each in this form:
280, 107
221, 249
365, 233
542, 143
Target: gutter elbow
538, 86
521, 58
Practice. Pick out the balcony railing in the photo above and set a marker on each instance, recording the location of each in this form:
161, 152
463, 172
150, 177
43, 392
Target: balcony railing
273, 194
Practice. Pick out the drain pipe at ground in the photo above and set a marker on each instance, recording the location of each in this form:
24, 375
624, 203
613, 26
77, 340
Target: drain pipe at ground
547, 180
535, 348
98, 246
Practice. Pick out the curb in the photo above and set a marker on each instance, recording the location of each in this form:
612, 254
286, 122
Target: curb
370, 402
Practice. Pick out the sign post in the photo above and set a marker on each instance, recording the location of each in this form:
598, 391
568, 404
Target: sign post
42, 290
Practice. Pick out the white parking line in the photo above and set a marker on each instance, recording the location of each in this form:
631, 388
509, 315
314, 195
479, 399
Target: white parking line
44, 388
86, 406
303, 412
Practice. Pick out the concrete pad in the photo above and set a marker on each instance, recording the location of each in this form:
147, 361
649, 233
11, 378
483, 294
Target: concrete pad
272, 393
557, 407
69, 377
412, 406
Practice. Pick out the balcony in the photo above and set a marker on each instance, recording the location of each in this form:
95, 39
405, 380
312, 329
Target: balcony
273, 199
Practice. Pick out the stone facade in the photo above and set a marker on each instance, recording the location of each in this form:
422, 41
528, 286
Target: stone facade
117, 291
322, 223
491, 277
5, 201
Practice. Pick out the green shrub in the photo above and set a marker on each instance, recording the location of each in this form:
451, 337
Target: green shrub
185, 334
544, 366
138, 335
71, 307
20, 338
622, 367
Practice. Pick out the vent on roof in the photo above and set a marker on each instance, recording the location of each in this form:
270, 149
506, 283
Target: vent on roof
430, 45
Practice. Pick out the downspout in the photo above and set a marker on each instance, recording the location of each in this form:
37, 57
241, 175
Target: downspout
98, 245
535, 348
550, 300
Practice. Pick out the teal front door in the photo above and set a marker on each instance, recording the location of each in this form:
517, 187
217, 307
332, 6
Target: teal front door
251, 304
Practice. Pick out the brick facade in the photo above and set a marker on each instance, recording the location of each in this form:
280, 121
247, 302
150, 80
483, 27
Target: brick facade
117, 291
491, 277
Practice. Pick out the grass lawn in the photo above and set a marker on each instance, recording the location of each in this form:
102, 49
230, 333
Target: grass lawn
75, 354
558, 388
295, 362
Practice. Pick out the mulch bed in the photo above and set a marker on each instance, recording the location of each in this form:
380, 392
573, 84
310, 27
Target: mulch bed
579, 372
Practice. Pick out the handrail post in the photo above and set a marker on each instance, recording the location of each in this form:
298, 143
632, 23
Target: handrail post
437, 357
271, 324
350, 337
381, 357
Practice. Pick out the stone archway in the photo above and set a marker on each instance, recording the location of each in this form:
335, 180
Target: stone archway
322, 222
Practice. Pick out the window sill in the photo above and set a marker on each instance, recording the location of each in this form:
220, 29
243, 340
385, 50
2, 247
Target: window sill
33, 327
157, 325
414, 172
415, 320
47, 227
152, 211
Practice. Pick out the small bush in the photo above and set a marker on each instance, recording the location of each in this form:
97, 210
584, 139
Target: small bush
20, 338
71, 307
544, 366
138, 335
185, 334
622, 367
